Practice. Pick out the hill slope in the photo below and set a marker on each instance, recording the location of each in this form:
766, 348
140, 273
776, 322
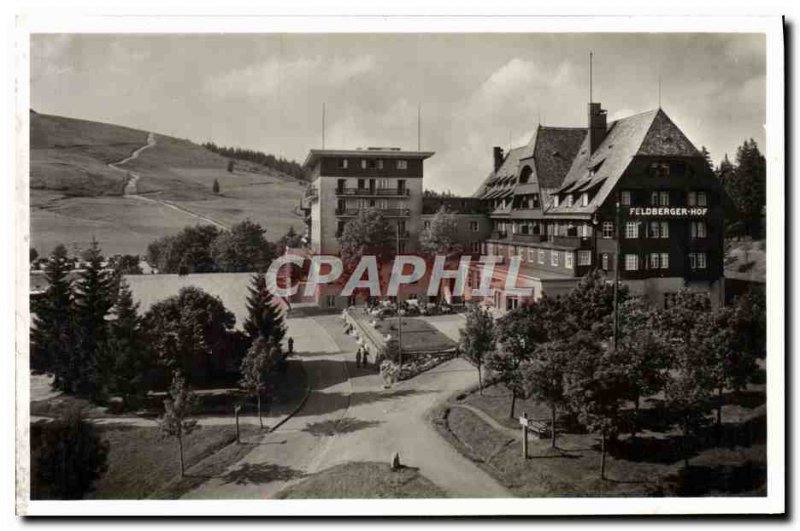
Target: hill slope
81, 188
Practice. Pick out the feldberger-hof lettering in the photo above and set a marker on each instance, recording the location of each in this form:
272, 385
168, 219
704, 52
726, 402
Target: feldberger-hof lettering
668, 211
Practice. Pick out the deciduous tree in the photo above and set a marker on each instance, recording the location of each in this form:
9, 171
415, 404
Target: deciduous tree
261, 358
368, 234
178, 408
67, 457
478, 339
242, 248
441, 235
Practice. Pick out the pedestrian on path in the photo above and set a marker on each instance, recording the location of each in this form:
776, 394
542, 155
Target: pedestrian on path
291, 345
358, 357
365, 360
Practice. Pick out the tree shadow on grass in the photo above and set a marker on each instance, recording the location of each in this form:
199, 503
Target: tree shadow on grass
329, 428
727, 479
258, 473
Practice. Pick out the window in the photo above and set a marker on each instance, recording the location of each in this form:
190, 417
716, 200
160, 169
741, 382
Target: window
654, 260
608, 229
663, 198
473, 226
586, 231
512, 303
535, 198
569, 260
659, 169
696, 199
584, 199
665, 229
654, 229
541, 256
380, 164
625, 198
401, 246
340, 184
426, 225
530, 255
402, 164
604, 260
664, 260
342, 163
584, 258
631, 262
555, 200
653, 198
475, 247
363, 164
697, 260
569, 200
631, 230
554, 258
330, 301
699, 229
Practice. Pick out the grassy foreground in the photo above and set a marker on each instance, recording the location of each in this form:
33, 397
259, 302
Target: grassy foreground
364, 480
650, 465
142, 464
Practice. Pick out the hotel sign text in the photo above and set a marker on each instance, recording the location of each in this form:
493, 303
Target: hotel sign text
672, 212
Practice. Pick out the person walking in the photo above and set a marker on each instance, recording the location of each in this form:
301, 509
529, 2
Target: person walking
365, 358
358, 357
290, 345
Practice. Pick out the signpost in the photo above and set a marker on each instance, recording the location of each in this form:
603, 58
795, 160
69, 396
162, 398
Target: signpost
524, 422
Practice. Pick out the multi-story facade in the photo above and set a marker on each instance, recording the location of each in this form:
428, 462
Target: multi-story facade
343, 182
554, 204
633, 194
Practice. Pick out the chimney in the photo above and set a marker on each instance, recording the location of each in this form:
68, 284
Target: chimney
498, 157
597, 126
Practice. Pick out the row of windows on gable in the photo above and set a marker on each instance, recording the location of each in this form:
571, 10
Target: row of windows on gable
569, 200
557, 258
661, 198
373, 164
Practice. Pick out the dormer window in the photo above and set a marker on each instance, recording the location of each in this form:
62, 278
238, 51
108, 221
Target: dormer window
569, 200
402, 164
555, 200
659, 169
584, 199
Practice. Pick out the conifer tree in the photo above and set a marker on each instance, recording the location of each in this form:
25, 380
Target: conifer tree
264, 316
93, 302
52, 330
125, 351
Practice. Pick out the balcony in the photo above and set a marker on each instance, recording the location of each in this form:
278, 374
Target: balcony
386, 212
528, 238
576, 242
498, 235
372, 192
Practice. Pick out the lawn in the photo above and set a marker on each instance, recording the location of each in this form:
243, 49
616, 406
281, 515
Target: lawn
144, 464
363, 480
649, 465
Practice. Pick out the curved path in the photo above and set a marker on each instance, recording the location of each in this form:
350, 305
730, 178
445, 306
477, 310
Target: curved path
131, 185
349, 416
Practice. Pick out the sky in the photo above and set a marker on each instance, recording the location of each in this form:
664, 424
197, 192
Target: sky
475, 91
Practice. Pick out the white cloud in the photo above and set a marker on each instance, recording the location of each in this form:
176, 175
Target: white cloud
267, 77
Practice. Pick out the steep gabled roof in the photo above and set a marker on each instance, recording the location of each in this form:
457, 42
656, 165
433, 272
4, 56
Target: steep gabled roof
551, 150
647, 133
554, 152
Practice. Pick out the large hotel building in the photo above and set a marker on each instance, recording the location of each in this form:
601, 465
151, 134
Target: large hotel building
633, 194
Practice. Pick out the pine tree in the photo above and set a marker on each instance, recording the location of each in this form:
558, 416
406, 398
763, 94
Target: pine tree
264, 316
93, 302
125, 351
53, 330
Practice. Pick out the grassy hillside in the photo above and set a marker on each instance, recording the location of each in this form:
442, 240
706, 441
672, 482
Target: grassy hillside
75, 195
